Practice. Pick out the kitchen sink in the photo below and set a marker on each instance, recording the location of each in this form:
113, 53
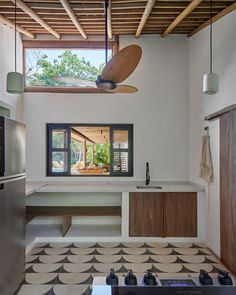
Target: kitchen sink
148, 187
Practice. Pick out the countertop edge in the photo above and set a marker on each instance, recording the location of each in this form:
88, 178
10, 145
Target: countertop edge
43, 187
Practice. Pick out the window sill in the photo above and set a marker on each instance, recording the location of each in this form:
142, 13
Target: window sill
64, 90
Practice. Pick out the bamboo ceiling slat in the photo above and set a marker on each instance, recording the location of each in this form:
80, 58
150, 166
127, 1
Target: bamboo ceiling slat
114, 11
125, 16
126, 5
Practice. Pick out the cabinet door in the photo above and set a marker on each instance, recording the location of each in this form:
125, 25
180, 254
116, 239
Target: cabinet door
146, 214
180, 215
228, 190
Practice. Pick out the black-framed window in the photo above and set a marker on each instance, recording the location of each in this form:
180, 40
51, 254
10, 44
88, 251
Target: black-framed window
89, 149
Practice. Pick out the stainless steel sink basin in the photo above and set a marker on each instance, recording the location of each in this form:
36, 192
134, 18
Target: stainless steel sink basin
148, 187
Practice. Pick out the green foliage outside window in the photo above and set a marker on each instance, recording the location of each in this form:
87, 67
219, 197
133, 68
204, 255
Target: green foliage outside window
67, 64
102, 154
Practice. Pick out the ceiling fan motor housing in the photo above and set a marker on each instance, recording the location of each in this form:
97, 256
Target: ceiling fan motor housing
105, 84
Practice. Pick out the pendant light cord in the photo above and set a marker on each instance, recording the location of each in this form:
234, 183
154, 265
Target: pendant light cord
106, 31
211, 37
15, 35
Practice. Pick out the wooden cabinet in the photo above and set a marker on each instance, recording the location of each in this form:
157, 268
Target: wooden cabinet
228, 190
146, 214
180, 215
155, 214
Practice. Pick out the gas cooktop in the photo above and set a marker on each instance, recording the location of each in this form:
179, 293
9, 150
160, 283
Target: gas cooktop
150, 284
135, 290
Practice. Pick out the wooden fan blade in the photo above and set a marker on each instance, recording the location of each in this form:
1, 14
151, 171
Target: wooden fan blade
77, 81
122, 64
124, 89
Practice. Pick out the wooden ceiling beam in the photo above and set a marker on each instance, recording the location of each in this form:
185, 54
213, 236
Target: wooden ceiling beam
99, 6
181, 16
36, 17
19, 29
114, 12
216, 17
73, 17
150, 4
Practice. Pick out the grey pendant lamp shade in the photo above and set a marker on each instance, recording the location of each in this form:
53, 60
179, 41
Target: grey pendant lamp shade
15, 79
210, 80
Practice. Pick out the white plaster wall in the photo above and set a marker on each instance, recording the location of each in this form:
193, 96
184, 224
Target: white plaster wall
224, 63
11, 101
159, 112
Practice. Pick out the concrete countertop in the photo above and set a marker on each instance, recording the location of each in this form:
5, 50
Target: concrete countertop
129, 186
33, 186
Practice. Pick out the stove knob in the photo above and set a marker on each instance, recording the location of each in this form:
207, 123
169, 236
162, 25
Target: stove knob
149, 279
112, 278
204, 278
224, 278
130, 279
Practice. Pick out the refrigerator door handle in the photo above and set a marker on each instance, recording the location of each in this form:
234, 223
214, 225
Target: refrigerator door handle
11, 178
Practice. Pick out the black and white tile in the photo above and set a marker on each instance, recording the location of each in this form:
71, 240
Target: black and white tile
69, 268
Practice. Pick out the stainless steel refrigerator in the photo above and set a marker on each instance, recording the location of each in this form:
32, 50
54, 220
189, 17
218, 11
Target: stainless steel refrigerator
12, 205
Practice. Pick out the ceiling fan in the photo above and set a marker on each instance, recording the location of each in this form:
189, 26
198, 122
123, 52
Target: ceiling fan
118, 69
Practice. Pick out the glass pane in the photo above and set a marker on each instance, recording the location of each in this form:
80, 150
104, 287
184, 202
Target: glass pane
90, 150
77, 155
120, 162
59, 162
59, 139
120, 139
43, 65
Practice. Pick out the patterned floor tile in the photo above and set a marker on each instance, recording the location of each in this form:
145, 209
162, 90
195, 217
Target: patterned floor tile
192, 258
158, 251
184, 251
182, 245
69, 268
81, 258
157, 245
36, 251
59, 245
34, 289
136, 258
133, 245
198, 266
40, 278
80, 267
28, 265
75, 278
79, 290
60, 290
46, 267
163, 258
30, 258
51, 258
108, 251
108, 245
87, 245
134, 251
83, 251
56, 251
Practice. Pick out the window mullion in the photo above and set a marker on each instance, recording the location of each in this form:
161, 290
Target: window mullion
69, 150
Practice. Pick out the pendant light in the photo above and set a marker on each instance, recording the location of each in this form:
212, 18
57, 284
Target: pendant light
15, 79
210, 80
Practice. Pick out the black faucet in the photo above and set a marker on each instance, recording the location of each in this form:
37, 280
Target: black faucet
147, 174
